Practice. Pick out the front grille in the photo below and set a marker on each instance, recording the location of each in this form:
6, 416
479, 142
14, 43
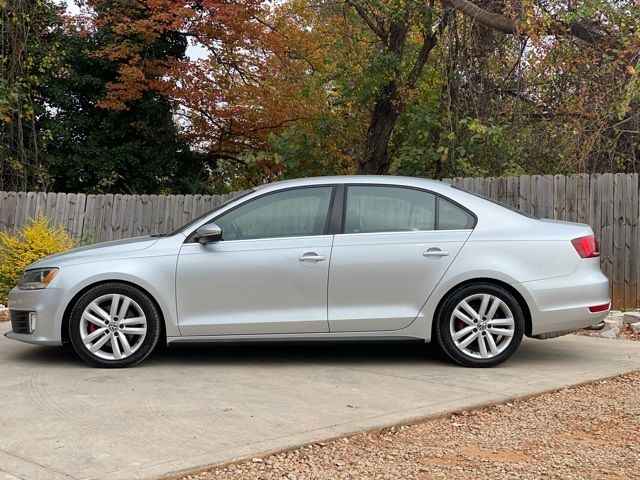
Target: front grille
19, 321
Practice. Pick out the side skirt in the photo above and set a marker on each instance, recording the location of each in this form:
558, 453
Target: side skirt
296, 338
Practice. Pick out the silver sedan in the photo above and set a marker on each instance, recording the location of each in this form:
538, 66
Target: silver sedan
323, 259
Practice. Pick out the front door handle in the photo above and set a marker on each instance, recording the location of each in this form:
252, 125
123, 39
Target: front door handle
312, 257
435, 253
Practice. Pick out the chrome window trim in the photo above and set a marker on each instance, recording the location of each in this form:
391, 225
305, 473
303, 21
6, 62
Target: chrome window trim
333, 186
437, 195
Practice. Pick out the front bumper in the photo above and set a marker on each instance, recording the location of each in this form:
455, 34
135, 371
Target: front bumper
48, 304
562, 304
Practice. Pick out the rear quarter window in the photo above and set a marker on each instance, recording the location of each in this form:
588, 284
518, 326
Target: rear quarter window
453, 217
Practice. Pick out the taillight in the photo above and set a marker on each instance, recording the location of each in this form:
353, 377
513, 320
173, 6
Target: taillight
587, 247
600, 308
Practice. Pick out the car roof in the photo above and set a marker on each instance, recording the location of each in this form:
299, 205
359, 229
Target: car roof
357, 179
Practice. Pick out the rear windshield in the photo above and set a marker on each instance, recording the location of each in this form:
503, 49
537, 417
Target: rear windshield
496, 202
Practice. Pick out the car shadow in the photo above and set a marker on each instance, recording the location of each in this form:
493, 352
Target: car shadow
289, 353
295, 352
280, 353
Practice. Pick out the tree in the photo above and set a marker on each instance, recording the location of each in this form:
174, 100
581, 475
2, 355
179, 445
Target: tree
94, 146
392, 23
27, 59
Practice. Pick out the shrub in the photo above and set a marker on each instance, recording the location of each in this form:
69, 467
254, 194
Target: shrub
35, 240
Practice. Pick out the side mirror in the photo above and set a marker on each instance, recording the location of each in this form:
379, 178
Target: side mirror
208, 233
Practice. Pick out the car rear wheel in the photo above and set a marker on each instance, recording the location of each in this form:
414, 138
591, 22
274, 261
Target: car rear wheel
480, 325
114, 325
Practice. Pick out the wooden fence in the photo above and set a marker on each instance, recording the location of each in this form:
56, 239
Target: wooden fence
608, 202
99, 218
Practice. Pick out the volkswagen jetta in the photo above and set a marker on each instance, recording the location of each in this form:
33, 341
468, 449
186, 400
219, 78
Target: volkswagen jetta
332, 258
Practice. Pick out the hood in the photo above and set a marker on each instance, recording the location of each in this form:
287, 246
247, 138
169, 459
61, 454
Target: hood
80, 254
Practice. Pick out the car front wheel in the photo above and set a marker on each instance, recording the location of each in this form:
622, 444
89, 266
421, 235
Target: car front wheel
114, 325
480, 325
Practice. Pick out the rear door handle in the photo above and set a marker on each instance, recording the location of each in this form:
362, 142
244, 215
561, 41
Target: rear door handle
435, 253
312, 257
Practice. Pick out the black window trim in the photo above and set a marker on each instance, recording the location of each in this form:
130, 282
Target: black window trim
190, 238
438, 196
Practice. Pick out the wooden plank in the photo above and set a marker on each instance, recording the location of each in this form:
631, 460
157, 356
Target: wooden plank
188, 210
537, 196
59, 210
631, 241
178, 211
89, 219
12, 202
618, 227
145, 221
30, 210
132, 216
168, 213
513, 190
559, 197
127, 210
117, 217
571, 199
548, 196
78, 220
100, 218
605, 187
524, 196
50, 207
3, 216
153, 207
492, 188
502, 194
595, 212
478, 185
197, 205
69, 212
160, 211
21, 206
583, 186
41, 204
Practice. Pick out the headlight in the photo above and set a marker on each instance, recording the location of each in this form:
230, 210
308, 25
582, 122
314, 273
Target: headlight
37, 278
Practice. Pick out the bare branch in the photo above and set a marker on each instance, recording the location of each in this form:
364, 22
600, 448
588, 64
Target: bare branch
493, 20
371, 22
581, 30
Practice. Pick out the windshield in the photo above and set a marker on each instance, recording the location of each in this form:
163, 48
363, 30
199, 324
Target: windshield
208, 212
497, 202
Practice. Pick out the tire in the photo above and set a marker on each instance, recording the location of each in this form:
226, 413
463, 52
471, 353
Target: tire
487, 338
114, 325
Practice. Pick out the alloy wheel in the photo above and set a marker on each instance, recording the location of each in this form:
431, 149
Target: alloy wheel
113, 327
482, 326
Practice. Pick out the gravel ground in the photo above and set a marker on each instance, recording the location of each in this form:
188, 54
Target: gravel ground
625, 334
591, 431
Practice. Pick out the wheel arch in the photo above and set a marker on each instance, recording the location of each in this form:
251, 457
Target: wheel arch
526, 311
66, 316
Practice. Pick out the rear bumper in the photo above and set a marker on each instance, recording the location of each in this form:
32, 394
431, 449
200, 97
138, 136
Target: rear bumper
562, 304
48, 304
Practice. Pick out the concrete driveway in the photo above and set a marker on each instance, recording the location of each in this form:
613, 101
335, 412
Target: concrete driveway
190, 407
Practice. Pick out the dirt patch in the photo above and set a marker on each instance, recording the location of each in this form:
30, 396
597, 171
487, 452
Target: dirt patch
583, 432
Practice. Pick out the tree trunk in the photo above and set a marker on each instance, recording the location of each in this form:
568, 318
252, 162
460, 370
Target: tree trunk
389, 105
386, 111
